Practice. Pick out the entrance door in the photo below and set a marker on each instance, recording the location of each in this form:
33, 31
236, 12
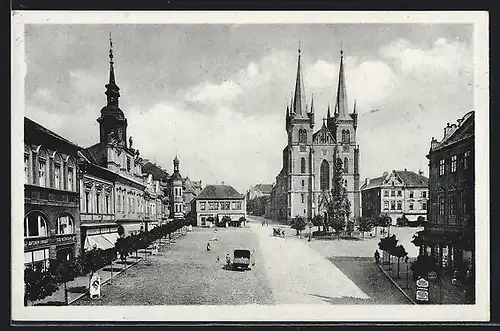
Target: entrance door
64, 254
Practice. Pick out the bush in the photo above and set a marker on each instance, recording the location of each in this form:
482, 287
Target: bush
39, 284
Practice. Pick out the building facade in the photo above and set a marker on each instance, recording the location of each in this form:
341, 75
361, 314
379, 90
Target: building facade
217, 201
51, 211
449, 234
309, 157
398, 194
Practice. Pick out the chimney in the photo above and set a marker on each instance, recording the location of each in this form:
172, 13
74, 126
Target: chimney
405, 170
420, 172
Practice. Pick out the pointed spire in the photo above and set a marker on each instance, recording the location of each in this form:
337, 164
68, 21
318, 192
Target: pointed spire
328, 115
312, 103
299, 99
354, 110
112, 90
341, 101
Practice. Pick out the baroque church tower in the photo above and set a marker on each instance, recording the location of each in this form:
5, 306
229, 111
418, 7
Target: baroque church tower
309, 157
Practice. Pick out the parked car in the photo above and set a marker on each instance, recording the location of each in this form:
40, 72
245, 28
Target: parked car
241, 259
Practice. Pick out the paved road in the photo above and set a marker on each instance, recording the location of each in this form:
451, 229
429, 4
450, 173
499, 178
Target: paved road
299, 274
186, 274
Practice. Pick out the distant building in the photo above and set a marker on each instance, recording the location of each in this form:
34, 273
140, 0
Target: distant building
259, 190
51, 213
310, 156
449, 234
217, 201
397, 194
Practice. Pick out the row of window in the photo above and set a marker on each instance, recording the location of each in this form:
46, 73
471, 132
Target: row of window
456, 202
98, 203
324, 166
346, 136
399, 193
49, 171
177, 191
222, 205
35, 225
398, 205
455, 163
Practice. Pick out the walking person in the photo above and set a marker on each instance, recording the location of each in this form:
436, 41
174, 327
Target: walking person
377, 256
228, 260
208, 247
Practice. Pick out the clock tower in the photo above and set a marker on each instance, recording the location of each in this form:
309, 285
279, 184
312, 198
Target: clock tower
112, 122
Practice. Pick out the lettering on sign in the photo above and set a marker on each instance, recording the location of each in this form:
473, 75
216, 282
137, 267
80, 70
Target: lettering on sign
422, 282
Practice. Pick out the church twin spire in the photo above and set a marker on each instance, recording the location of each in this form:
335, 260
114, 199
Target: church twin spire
299, 98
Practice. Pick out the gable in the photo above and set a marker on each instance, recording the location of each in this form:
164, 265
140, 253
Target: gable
323, 137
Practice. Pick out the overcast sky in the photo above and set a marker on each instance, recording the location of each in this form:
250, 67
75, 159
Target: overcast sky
216, 94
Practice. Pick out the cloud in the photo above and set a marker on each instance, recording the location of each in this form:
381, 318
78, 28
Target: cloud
214, 93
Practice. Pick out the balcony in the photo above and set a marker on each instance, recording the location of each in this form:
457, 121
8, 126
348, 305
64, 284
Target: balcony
50, 196
43, 242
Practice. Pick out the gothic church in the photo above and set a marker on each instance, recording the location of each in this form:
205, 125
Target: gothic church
308, 158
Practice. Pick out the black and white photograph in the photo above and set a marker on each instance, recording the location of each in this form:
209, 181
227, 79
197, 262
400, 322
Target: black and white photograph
250, 166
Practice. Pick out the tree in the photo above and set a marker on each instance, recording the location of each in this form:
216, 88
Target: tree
225, 219
423, 265
210, 219
317, 221
92, 260
365, 224
38, 284
338, 204
298, 223
399, 252
383, 220
350, 228
64, 272
388, 244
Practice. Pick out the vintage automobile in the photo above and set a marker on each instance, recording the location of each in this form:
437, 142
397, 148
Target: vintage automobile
242, 259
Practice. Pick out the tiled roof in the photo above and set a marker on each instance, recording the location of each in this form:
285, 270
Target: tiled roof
30, 125
219, 192
98, 153
412, 179
457, 132
157, 173
374, 182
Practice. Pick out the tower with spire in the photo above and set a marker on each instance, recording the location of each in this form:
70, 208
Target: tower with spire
112, 122
309, 157
176, 194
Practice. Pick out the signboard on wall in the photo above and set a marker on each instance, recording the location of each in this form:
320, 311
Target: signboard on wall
422, 290
95, 286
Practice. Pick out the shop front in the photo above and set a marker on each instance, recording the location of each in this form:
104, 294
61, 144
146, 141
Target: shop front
100, 237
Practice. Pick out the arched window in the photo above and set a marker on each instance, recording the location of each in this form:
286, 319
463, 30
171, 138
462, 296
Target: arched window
57, 171
65, 225
346, 165
35, 225
324, 175
42, 167
27, 164
71, 172
303, 165
346, 136
302, 136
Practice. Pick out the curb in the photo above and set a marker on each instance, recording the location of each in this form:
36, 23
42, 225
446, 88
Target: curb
105, 281
397, 285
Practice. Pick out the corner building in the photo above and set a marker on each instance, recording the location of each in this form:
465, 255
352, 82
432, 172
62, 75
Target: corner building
309, 157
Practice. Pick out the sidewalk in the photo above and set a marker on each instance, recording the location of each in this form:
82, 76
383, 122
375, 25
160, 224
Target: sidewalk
78, 287
441, 291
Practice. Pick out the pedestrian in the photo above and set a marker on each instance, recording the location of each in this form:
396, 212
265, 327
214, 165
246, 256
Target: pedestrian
208, 246
218, 258
228, 259
377, 256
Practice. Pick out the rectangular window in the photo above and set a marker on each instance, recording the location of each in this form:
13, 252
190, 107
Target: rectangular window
202, 205
238, 205
411, 194
424, 194
399, 193
26, 169
129, 204
87, 201
41, 172
216, 205
441, 205
466, 159
57, 176
302, 198
302, 183
393, 205
453, 163
441, 167
424, 205
107, 204
203, 221
225, 205
98, 204
128, 164
399, 205
386, 193
410, 206
393, 193
452, 204
465, 210
70, 179
386, 205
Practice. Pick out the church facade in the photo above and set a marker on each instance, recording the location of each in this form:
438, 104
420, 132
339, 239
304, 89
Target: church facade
309, 156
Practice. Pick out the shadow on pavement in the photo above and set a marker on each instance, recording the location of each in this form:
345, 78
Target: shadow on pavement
343, 300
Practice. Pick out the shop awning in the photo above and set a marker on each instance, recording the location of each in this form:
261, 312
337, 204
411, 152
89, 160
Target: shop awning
98, 241
127, 229
111, 237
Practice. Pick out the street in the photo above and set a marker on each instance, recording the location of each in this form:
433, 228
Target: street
287, 271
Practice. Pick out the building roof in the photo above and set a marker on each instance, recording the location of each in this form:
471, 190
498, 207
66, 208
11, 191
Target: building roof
219, 192
264, 188
156, 172
411, 179
454, 133
31, 127
374, 182
408, 178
